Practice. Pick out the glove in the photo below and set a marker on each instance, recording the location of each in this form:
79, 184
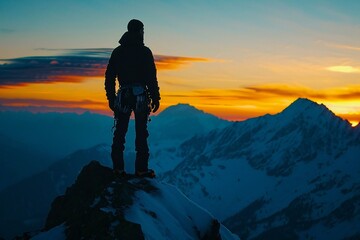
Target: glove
111, 105
155, 104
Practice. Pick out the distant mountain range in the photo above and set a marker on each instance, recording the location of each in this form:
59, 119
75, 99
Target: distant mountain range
293, 175
56, 134
24, 205
18, 160
30, 142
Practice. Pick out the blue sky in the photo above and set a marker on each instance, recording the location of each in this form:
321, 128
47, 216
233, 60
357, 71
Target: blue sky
193, 26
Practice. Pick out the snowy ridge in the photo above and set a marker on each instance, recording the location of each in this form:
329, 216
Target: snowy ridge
168, 130
100, 206
294, 174
180, 123
273, 173
169, 214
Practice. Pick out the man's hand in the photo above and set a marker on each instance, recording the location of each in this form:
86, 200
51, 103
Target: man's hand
155, 105
111, 105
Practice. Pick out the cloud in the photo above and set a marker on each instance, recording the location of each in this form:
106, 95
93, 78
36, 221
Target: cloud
236, 104
263, 93
286, 91
343, 69
252, 101
342, 46
171, 62
75, 65
50, 69
48, 102
47, 105
45, 109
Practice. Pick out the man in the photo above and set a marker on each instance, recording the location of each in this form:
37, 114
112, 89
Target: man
132, 63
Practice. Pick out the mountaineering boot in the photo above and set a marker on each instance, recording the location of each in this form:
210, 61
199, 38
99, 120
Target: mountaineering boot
120, 173
149, 174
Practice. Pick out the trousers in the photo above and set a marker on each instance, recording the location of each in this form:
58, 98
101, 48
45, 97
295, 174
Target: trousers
141, 144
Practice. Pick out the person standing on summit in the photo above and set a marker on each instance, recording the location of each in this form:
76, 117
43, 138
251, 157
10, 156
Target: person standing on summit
132, 64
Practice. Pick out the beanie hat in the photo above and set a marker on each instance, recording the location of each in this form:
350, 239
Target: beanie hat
135, 25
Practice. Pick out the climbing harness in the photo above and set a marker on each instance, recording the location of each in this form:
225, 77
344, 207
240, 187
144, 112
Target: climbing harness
132, 98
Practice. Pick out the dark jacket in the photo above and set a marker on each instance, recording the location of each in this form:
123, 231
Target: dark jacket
131, 63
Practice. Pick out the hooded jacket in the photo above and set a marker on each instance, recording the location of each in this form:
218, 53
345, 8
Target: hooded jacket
131, 63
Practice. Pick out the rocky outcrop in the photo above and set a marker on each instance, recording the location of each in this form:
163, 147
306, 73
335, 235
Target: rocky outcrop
101, 206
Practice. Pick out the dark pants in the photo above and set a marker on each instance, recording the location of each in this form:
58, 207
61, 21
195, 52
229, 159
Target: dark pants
141, 145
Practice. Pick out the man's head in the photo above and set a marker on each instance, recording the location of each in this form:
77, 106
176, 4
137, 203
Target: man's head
135, 26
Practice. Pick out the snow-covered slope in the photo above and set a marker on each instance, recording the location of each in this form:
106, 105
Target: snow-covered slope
167, 131
48, 137
172, 127
99, 206
292, 173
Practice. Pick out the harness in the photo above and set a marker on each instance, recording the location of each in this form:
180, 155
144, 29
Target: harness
132, 97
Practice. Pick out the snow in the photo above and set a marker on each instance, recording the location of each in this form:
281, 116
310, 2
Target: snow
108, 210
56, 233
169, 214
234, 173
338, 231
275, 158
233, 186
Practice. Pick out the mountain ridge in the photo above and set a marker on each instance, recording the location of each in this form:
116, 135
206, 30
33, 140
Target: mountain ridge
24, 205
301, 155
271, 163
54, 182
98, 205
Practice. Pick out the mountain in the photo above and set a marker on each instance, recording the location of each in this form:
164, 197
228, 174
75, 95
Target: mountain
56, 134
183, 121
18, 160
53, 180
172, 127
100, 206
24, 205
293, 175
48, 137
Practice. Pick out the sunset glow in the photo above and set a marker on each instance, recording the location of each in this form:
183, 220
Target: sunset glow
234, 59
344, 69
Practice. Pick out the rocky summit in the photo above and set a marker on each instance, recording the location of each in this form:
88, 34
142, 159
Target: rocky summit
101, 206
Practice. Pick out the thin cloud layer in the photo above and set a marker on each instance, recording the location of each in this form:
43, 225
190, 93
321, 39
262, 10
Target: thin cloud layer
48, 102
22, 71
75, 66
270, 92
172, 62
343, 69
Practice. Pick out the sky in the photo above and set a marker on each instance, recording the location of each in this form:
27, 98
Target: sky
234, 59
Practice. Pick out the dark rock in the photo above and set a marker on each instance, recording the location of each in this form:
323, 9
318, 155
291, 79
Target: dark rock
93, 207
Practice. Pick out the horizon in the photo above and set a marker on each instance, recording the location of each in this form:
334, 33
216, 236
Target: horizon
236, 60
353, 124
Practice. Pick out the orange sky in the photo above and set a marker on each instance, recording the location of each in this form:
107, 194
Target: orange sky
75, 93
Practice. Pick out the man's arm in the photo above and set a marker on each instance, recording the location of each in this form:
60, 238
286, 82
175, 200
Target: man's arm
151, 81
110, 77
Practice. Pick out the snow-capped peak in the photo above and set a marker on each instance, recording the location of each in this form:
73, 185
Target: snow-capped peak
307, 109
181, 108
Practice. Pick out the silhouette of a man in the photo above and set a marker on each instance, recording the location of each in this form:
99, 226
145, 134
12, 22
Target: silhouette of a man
132, 63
